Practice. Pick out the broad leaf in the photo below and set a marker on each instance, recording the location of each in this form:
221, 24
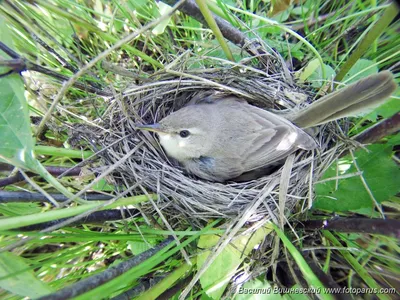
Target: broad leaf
17, 277
16, 146
380, 172
386, 110
361, 69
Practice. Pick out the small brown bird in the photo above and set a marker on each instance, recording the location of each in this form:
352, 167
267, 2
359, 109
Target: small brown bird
220, 139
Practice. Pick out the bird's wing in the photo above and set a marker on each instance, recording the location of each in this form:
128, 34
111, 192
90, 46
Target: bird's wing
275, 139
269, 146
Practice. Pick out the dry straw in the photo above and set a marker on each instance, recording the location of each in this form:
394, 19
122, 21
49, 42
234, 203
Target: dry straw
183, 198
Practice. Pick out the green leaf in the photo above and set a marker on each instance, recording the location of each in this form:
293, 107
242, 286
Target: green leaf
163, 9
361, 69
313, 73
15, 133
16, 146
284, 48
103, 185
379, 171
138, 247
5, 36
143, 7
300, 11
217, 52
16, 277
217, 276
282, 16
386, 110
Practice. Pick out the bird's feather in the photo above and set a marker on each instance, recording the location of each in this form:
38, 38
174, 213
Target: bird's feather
357, 98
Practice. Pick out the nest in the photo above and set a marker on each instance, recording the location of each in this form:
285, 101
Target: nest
141, 165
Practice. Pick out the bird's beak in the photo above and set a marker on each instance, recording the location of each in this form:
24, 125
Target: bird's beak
150, 127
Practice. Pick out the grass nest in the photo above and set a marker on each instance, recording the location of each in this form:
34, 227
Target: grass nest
140, 165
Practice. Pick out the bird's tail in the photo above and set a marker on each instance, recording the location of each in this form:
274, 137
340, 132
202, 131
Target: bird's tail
360, 97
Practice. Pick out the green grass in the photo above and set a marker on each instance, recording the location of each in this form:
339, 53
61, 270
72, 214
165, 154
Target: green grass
78, 31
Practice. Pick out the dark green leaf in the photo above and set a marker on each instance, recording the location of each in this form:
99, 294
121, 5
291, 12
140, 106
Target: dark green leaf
379, 171
16, 146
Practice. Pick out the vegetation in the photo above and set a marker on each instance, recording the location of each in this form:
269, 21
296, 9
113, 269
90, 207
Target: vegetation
77, 54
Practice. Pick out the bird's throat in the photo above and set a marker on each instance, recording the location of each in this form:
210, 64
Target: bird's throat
174, 147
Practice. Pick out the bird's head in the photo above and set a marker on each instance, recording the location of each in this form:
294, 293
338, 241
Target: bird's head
184, 134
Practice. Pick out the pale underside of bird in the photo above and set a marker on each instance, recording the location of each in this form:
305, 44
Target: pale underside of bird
220, 139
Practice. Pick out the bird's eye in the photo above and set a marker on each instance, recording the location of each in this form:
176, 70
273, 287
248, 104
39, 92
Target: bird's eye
184, 133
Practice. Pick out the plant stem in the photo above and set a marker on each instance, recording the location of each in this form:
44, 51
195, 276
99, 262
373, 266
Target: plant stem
54, 151
377, 29
214, 27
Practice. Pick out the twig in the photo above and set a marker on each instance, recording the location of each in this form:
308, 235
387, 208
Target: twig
22, 196
48, 48
78, 217
283, 187
327, 280
386, 227
377, 132
97, 217
38, 39
384, 128
142, 286
231, 231
74, 171
68, 221
38, 188
209, 18
168, 294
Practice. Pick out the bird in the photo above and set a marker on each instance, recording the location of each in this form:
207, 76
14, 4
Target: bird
220, 139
